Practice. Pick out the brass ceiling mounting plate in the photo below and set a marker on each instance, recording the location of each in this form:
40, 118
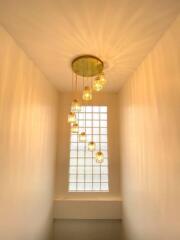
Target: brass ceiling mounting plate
87, 66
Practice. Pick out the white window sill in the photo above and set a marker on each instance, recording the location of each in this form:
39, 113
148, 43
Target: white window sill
87, 209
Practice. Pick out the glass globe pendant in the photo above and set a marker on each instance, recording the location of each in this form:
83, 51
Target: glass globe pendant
99, 157
82, 137
91, 146
97, 84
102, 79
87, 94
75, 106
71, 117
74, 128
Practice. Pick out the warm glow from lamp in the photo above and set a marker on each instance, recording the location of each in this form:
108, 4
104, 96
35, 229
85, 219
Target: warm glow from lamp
75, 106
82, 137
71, 117
97, 84
102, 79
91, 146
99, 157
87, 94
74, 128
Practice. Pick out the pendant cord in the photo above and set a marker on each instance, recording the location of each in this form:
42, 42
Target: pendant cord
92, 115
72, 84
85, 120
99, 133
84, 108
76, 87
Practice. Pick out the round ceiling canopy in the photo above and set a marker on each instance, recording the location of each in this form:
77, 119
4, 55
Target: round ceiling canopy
87, 66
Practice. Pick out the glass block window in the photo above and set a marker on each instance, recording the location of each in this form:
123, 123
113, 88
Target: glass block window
85, 174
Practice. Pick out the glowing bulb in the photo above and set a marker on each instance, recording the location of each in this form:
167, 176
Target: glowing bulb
102, 79
75, 106
87, 94
74, 128
99, 157
82, 137
71, 117
91, 146
97, 84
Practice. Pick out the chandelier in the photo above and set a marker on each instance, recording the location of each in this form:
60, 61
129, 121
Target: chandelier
88, 72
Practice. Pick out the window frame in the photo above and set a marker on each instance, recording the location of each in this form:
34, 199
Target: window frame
93, 165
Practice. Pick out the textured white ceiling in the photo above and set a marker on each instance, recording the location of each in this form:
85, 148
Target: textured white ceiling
120, 32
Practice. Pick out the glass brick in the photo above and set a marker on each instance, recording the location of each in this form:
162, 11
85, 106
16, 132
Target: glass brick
88, 178
89, 116
88, 170
73, 170
72, 178
88, 109
80, 170
103, 109
104, 186
96, 170
73, 161
103, 123
80, 186
96, 109
80, 178
103, 130
96, 178
96, 186
72, 187
104, 178
88, 186
103, 117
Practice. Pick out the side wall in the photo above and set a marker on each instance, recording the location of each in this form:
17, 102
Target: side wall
28, 113
150, 143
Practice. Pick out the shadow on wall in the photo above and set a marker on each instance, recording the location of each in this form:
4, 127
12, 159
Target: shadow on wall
88, 230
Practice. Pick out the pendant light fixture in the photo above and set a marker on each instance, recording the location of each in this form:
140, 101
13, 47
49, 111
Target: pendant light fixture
87, 93
75, 106
71, 117
97, 85
82, 137
102, 79
99, 157
74, 128
91, 146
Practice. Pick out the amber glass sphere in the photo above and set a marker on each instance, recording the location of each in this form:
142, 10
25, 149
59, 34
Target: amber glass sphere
75, 106
97, 85
91, 146
74, 128
102, 79
71, 117
99, 157
82, 137
87, 94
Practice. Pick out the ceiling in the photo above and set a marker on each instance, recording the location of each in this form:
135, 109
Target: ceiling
120, 32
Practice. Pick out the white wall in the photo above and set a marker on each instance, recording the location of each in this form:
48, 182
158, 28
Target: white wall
28, 112
150, 143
